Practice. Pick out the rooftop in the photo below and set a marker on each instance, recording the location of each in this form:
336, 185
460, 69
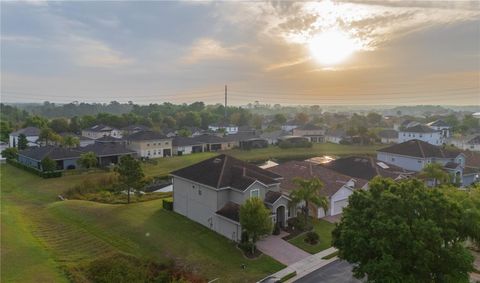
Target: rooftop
419, 129
100, 128
28, 131
54, 152
438, 123
146, 136
418, 148
388, 134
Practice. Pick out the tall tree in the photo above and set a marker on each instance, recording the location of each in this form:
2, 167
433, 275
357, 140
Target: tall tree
279, 119
255, 219
88, 160
22, 142
434, 172
130, 173
308, 191
405, 232
59, 125
70, 141
301, 118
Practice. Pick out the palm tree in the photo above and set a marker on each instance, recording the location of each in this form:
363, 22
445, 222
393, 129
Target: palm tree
70, 141
308, 191
435, 172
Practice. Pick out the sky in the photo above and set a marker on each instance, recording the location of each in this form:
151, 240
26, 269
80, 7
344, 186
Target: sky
324, 53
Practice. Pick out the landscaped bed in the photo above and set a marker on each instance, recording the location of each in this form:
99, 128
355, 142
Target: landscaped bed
323, 229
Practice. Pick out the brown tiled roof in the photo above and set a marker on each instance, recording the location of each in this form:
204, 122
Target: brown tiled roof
363, 167
418, 148
332, 180
225, 171
231, 211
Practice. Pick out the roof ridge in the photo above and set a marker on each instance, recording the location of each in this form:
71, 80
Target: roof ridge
221, 171
421, 148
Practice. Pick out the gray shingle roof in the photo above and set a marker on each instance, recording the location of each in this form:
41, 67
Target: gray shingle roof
100, 128
419, 129
55, 153
418, 148
107, 149
185, 141
388, 134
146, 136
231, 211
475, 140
28, 131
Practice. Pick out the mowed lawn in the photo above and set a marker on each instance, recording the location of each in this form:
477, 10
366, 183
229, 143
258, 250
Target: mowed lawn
45, 236
324, 230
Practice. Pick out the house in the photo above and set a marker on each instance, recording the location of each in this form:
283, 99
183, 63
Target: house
227, 128
336, 186
405, 124
65, 158
186, 145
366, 168
388, 136
423, 133
214, 143
3, 146
132, 129
467, 143
440, 125
99, 131
290, 125
31, 133
238, 138
313, 133
335, 135
273, 137
169, 133
108, 153
212, 191
150, 144
83, 141
413, 155
474, 144
253, 143
109, 139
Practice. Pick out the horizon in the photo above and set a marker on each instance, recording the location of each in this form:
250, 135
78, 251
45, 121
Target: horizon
295, 53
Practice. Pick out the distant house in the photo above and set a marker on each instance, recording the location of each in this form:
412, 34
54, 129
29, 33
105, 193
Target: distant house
335, 136
466, 143
132, 129
253, 143
110, 139
31, 133
474, 144
186, 145
414, 155
274, 136
337, 187
228, 128
99, 131
212, 191
388, 136
66, 159
405, 124
150, 144
290, 125
214, 143
3, 146
366, 168
423, 133
440, 125
108, 153
313, 133
238, 138
83, 141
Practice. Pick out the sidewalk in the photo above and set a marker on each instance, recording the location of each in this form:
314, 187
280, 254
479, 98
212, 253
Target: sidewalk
307, 265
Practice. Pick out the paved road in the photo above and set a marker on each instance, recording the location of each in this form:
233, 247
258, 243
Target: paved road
337, 271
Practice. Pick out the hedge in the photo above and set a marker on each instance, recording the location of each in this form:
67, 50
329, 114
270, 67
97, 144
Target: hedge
45, 175
167, 204
288, 276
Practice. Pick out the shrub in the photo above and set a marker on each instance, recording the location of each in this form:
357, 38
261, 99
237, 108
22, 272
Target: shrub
247, 247
298, 223
288, 276
45, 175
167, 204
312, 238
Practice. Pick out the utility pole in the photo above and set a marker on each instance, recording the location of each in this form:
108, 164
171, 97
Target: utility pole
225, 116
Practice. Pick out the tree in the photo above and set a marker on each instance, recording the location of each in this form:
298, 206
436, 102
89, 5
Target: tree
255, 219
5, 130
70, 141
374, 119
435, 172
405, 232
301, 118
36, 121
88, 160
130, 173
10, 153
308, 191
59, 125
48, 136
279, 119
22, 142
48, 164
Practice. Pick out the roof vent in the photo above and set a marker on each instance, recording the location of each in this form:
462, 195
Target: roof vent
383, 165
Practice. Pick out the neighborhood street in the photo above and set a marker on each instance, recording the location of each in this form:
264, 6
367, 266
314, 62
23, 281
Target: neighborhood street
337, 271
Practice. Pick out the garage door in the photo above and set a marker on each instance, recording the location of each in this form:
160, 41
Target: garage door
339, 205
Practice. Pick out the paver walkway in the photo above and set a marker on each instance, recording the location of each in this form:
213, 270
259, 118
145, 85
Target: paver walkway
281, 250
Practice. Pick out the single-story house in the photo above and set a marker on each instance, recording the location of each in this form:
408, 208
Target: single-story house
228, 128
253, 143
186, 145
99, 131
335, 135
273, 136
214, 142
388, 136
108, 153
66, 158
31, 133
132, 129
312, 132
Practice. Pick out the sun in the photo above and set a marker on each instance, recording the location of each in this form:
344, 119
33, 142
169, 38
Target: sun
331, 47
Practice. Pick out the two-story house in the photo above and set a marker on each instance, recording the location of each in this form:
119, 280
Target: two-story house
310, 131
212, 191
440, 125
414, 155
31, 133
423, 133
227, 128
150, 144
100, 131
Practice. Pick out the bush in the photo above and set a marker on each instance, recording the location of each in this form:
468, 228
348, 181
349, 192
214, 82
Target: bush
298, 223
167, 204
45, 175
288, 276
247, 247
312, 238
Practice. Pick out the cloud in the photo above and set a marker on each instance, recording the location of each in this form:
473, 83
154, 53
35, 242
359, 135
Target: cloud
206, 49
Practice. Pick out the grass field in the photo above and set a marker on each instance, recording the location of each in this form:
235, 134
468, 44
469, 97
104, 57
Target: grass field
324, 230
44, 236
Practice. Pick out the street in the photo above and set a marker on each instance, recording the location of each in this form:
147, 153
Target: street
337, 271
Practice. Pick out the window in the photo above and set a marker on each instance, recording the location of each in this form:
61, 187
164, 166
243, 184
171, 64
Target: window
255, 193
199, 192
166, 143
393, 158
148, 152
419, 161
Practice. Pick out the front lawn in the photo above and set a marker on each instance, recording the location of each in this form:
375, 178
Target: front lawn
324, 230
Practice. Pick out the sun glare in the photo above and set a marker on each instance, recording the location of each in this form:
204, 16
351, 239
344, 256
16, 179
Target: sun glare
331, 47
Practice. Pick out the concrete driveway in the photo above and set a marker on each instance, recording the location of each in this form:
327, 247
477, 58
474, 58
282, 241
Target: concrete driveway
337, 271
281, 250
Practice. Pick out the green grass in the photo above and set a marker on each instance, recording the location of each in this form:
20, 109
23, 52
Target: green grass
166, 165
66, 234
324, 230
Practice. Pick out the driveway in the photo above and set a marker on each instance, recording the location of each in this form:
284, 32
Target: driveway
281, 250
337, 271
